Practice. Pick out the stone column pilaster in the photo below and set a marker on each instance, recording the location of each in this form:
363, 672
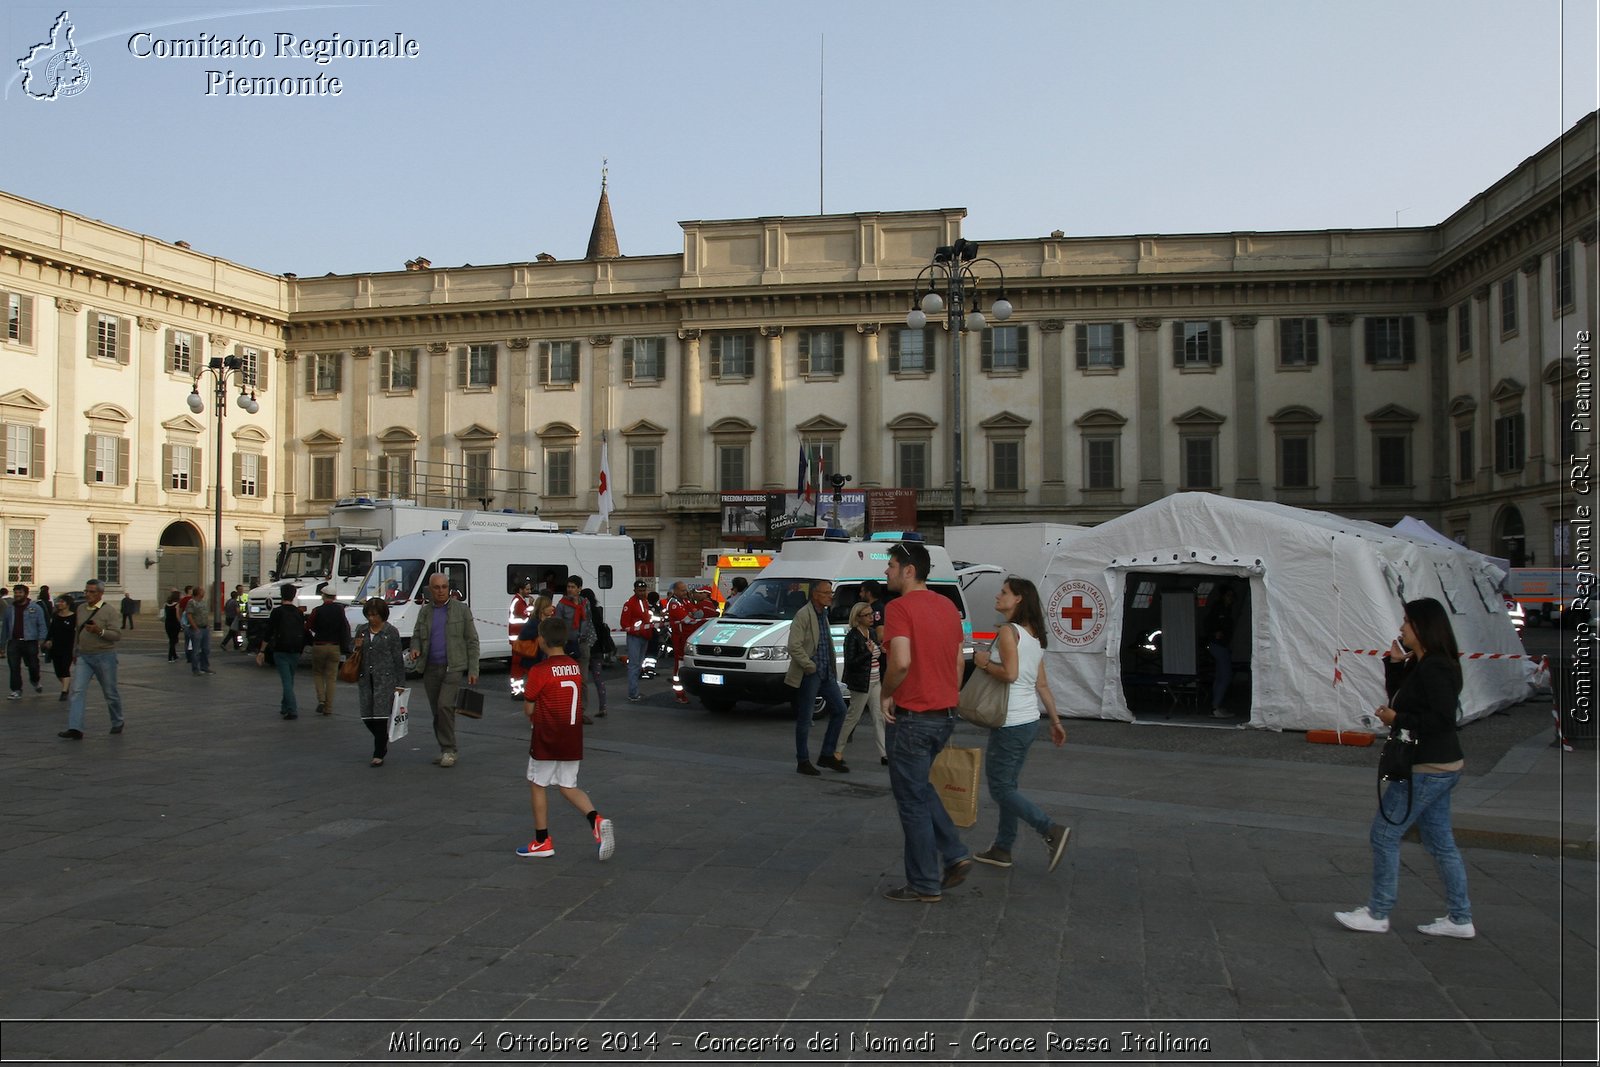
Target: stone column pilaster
518, 434
1052, 418
1247, 438
691, 414
600, 410
435, 379
151, 365
69, 445
363, 447
1341, 365
281, 481
1147, 387
869, 410
773, 435
1530, 320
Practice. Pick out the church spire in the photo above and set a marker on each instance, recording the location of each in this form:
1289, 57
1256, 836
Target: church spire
603, 237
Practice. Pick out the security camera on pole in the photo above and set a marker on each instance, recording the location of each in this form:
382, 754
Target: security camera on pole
838, 481
952, 266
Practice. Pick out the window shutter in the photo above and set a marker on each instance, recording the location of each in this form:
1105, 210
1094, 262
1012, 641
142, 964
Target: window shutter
1177, 343
197, 469
986, 355
263, 361
930, 335
1116, 345
838, 351
1022, 348
311, 373
1370, 329
261, 477
88, 459
541, 370
803, 363
197, 350
91, 333
3, 440
238, 474
338, 371
1310, 336
494, 366
463, 358
627, 359
37, 470
716, 355
894, 351
1083, 347
25, 320
171, 351
124, 342
385, 368
122, 461
166, 467
577, 359
1408, 339
1216, 342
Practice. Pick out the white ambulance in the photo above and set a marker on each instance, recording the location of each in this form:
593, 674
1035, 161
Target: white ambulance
485, 567
743, 656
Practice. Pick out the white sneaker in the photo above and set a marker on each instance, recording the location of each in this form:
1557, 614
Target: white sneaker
1361, 919
447, 759
1443, 927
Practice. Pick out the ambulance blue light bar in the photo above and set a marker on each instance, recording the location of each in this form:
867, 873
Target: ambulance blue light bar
818, 533
896, 535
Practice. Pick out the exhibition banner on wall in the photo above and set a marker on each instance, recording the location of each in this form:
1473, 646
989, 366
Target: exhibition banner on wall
766, 518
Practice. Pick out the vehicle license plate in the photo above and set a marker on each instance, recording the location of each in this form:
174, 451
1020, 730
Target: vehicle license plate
711, 679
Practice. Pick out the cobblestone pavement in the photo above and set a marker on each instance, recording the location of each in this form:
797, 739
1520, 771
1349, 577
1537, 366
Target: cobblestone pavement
217, 884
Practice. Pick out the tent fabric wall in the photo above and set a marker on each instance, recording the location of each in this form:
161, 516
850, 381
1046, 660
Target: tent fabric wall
1320, 585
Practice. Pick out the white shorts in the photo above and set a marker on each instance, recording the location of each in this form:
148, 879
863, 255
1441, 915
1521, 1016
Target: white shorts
547, 772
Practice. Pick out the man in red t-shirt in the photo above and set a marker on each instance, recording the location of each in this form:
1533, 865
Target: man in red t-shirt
920, 689
554, 705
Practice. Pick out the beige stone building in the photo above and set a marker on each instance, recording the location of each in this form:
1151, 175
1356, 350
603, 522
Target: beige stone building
1428, 371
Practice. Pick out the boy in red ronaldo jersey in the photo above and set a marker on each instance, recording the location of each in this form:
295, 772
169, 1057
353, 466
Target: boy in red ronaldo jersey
553, 698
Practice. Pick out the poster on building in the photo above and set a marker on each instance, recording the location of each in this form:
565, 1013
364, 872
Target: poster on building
747, 517
752, 518
891, 509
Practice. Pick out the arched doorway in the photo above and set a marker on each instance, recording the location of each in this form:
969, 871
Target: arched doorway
1510, 538
182, 560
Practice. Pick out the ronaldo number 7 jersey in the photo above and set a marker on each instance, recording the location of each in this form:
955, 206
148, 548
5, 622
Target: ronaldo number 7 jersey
555, 689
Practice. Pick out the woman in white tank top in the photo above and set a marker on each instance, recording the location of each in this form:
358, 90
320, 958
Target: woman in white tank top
1017, 657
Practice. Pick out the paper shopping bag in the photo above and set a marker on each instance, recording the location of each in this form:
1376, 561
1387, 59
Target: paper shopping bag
955, 779
398, 725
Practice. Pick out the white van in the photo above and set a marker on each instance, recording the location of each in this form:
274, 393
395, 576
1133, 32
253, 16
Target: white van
744, 654
485, 567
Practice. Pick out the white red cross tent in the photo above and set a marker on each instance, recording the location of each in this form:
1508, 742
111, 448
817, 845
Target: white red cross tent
1317, 583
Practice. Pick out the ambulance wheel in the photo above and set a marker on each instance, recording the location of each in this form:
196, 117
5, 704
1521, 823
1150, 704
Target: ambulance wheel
719, 705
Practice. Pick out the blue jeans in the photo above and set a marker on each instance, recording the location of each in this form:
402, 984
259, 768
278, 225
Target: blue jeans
637, 645
1429, 795
286, 663
932, 843
102, 666
805, 698
1008, 750
1222, 657
201, 659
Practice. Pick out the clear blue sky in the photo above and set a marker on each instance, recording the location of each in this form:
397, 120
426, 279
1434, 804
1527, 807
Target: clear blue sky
1137, 116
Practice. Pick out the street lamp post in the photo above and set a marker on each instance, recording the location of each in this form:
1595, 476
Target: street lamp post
952, 270
220, 368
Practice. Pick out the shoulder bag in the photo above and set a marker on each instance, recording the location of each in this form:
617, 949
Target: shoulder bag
350, 669
1394, 765
984, 698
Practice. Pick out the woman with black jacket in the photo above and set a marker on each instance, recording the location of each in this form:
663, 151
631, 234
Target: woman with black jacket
173, 624
1422, 671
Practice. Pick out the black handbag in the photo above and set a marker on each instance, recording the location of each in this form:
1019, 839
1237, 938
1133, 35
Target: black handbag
1399, 755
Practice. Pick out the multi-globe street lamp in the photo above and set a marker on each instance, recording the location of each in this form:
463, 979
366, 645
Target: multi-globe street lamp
952, 271
220, 368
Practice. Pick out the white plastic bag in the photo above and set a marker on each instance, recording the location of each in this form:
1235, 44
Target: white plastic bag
398, 724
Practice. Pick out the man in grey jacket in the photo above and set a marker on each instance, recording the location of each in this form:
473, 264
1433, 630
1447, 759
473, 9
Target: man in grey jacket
96, 657
445, 642
814, 673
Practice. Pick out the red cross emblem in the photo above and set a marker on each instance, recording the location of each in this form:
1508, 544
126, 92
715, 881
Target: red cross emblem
1077, 612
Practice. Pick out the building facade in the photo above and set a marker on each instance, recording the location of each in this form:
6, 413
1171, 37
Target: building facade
1429, 371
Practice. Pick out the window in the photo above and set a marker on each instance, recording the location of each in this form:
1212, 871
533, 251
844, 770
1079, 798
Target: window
642, 462
1464, 327
1294, 461
730, 467
394, 474
644, 359
476, 464
558, 472
1393, 460
911, 462
322, 477
19, 557
19, 317
1561, 291
397, 370
1466, 460
1101, 462
558, 362
1510, 443
733, 355
1508, 305
182, 466
1199, 462
1005, 348
252, 366
1391, 340
1297, 342
183, 350
250, 471
1005, 470
324, 373
108, 337
108, 558
250, 563
911, 351
1099, 345
1567, 430
24, 450
478, 367
105, 460
1197, 343
821, 352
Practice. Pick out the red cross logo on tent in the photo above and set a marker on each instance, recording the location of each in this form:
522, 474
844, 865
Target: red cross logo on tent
1076, 612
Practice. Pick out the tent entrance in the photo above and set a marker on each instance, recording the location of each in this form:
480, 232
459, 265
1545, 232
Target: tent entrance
1170, 657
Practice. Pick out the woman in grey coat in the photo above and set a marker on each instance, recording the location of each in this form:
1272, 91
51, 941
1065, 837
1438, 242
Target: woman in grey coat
383, 673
